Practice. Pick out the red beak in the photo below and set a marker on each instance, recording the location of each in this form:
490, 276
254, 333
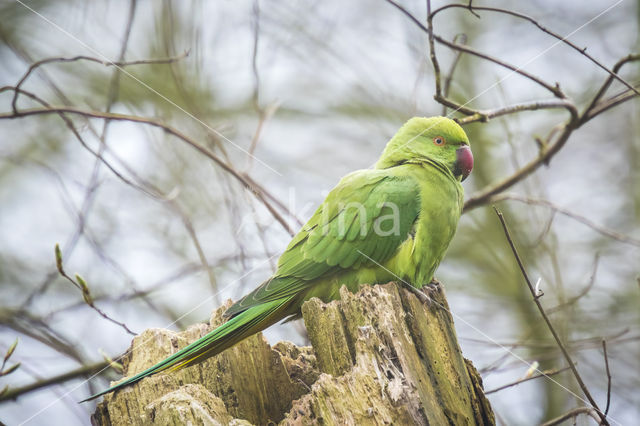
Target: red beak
464, 162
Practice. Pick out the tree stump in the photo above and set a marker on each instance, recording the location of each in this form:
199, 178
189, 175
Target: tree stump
377, 357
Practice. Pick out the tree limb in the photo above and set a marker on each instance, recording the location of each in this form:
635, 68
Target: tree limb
556, 336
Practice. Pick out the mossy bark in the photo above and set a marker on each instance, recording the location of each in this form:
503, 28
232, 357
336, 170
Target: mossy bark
377, 357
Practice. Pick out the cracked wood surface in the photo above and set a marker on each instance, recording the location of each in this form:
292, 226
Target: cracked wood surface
377, 357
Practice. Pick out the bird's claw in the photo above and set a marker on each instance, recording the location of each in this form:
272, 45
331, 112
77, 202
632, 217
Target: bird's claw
426, 293
433, 287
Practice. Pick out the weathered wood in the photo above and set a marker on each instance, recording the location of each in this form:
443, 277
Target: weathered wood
252, 380
378, 357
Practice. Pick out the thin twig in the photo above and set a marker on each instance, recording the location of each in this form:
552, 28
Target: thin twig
553, 331
579, 218
265, 115
583, 51
454, 64
154, 193
37, 329
605, 105
578, 344
502, 358
188, 224
547, 152
69, 123
38, 64
85, 370
606, 364
555, 89
92, 186
485, 115
546, 373
242, 178
607, 83
90, 194
582, 293
275, 201
254, 55
432, 47
574, 413
80, 139
86, 294
548, 149
245, 179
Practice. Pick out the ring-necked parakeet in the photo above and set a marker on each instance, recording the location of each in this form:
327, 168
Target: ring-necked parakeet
392, 222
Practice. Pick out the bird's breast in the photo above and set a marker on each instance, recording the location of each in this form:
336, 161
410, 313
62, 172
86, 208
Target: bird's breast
420, 254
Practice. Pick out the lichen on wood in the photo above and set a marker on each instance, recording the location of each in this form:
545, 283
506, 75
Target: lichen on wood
377, 357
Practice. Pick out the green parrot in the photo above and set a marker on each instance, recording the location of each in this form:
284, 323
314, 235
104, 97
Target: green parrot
393, 222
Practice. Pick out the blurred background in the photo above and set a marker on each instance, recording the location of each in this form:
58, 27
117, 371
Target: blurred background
294, 96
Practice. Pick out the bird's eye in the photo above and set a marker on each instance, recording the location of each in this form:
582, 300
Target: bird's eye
438, 140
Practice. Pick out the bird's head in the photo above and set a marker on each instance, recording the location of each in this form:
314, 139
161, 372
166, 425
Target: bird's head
436, 139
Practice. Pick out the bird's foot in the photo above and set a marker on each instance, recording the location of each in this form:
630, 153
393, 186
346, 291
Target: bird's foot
424, 294
434, 286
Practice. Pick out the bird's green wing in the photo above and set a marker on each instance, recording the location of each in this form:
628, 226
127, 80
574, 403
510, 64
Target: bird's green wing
363, 221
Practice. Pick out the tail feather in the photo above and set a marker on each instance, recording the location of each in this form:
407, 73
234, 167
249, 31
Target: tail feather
238, 328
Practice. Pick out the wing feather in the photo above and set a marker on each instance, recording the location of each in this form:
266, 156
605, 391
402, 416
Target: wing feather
342, 235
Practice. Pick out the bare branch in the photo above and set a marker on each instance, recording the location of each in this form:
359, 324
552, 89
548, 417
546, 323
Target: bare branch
606, 363
454, 64
574, 413
80, 139
92, 187
432, 48
577, 344
553, 331
42, 62
555, 89
84, 371
548, 149
546, 153
39, 330
582, 292
188, 224
241, 177
605, 105
265, 115
86, 293
583, 51
607, 83
545, 203
99, 156
546, 373
485, 115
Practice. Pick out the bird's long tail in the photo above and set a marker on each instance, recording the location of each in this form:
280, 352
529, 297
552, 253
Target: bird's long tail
238, 328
